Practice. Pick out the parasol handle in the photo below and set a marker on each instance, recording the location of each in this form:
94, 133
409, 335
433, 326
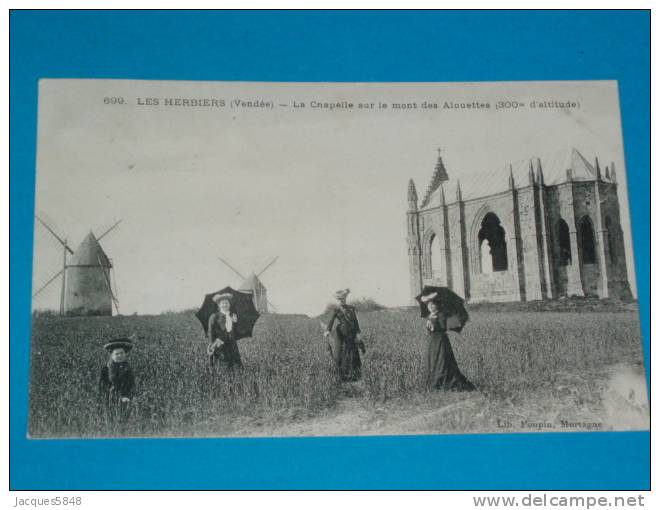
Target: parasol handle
324, 329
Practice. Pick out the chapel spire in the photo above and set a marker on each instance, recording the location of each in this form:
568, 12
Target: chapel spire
439, 176
440, 171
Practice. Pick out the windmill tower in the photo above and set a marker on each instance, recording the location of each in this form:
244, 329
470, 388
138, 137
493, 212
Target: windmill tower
86, 277
253, 285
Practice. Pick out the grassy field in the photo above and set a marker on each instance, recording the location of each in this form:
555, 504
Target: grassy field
527, 366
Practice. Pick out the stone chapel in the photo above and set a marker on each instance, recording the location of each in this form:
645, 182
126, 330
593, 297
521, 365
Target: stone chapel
539, 229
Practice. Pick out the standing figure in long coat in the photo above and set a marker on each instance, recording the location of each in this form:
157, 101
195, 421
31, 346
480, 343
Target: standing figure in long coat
441, 368
346, 354
223, 346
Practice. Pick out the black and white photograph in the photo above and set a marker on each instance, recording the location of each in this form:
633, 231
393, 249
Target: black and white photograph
253, 259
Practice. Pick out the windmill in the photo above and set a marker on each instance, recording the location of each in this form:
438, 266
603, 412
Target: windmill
86, 276
253, 285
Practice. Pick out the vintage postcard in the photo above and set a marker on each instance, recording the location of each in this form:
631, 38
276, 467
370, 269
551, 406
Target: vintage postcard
219, 259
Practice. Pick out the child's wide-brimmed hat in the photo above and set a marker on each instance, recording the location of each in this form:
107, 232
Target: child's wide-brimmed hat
341, 294
220, 297
119, 343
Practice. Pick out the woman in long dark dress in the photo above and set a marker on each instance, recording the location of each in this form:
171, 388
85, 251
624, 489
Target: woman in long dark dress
223, 346
441, 368
347, 356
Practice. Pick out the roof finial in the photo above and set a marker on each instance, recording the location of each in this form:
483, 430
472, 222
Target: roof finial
613, 172
531, 173
539, 171
440, 171
412, 196
459, 195
512, 183
442, 195
598, 176
607, 173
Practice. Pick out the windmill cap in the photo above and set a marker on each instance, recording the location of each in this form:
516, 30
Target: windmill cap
251, 282
89, 253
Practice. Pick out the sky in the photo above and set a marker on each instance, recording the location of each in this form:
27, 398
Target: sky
324, 190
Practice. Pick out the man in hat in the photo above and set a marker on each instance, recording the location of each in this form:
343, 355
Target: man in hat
348, 332
222, 334
117, 382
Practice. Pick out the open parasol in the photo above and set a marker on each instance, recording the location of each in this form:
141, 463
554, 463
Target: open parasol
242, 305
449, 303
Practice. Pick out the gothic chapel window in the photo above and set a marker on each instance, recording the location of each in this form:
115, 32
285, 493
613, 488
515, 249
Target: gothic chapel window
492, 245
436, 258
587, 241
564, 244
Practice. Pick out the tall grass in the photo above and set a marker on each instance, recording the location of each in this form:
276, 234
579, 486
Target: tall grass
500, 353
288, 372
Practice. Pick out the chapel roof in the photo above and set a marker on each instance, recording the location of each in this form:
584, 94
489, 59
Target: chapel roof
553, 166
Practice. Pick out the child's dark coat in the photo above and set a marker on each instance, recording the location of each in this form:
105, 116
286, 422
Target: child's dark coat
116, 382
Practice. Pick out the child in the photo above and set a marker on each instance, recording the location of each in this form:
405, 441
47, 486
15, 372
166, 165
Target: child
117, 383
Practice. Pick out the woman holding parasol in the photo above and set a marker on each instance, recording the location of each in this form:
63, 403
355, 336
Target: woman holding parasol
443, 311
222, 334
227, 316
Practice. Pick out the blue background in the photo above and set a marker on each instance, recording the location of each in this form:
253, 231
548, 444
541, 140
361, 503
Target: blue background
315, 46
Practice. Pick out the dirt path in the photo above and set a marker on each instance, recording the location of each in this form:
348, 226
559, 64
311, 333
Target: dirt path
353, 415
623, 406
625, 398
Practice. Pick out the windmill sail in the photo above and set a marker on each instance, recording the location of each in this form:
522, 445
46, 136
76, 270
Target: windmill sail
108, 230
267, 266
43, 287
62, 241
115, 291
253, 285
